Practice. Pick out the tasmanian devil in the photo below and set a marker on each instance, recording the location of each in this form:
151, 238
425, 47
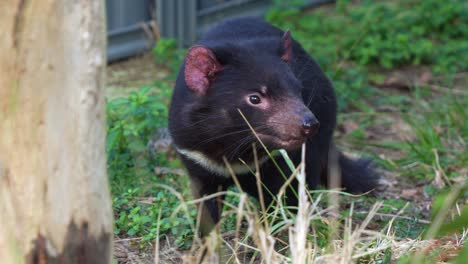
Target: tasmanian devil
248, 66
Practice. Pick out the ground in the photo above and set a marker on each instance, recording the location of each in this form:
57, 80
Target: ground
127, 75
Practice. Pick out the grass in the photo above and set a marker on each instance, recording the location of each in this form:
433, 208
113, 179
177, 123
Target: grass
263, 238
400, 72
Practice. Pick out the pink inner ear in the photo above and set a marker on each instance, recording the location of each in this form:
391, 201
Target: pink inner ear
201, 66
287, 46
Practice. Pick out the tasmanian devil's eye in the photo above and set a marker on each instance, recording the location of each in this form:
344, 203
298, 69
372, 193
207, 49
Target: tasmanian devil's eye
254, 99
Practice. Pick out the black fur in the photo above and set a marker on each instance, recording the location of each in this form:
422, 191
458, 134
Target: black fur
204, 115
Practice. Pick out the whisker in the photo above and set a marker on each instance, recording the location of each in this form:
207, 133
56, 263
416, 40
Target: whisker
241, 143
237, 145
225, 135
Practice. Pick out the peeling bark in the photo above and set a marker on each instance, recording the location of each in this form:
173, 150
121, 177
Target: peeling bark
80, 247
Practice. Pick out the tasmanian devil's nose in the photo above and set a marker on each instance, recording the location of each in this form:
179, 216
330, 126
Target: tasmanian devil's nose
310, 125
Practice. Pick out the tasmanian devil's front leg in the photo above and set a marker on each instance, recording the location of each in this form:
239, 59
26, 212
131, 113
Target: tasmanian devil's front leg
209, 209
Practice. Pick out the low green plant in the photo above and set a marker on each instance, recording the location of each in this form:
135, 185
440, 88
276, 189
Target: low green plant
166, 53
145, 214
131, 122
138, 200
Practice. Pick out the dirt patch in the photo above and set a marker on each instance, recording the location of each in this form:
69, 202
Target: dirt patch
131, 74
130, 250
403, 79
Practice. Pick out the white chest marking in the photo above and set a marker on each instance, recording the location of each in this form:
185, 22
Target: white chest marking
215, 167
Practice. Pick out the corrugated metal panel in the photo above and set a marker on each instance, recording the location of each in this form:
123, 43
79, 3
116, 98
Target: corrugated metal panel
184, 20
125, 27
207, 7
177, 19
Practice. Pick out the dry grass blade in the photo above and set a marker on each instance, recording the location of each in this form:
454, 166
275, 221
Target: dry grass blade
259, 231
156, 246
298, 233
334, 179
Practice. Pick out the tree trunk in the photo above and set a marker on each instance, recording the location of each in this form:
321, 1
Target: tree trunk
54, 199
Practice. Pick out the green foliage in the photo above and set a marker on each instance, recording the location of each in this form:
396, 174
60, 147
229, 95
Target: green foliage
387, 34
452, 56
350, 85
462, 256
142, 217
443, 204
440, 138
166, 53
391, 35
130, 123
457, 224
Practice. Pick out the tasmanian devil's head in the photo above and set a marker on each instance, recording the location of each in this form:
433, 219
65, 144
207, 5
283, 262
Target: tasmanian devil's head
234, 85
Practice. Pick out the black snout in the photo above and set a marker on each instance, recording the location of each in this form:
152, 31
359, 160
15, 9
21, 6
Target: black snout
310, 125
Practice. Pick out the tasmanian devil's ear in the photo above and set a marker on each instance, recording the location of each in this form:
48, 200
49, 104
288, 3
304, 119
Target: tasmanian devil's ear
201, 67
286, 46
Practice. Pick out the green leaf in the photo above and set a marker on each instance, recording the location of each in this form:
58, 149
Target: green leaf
457, 224
462, 256
441, 201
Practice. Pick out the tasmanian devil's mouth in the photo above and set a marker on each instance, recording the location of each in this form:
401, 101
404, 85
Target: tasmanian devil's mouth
289, 142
